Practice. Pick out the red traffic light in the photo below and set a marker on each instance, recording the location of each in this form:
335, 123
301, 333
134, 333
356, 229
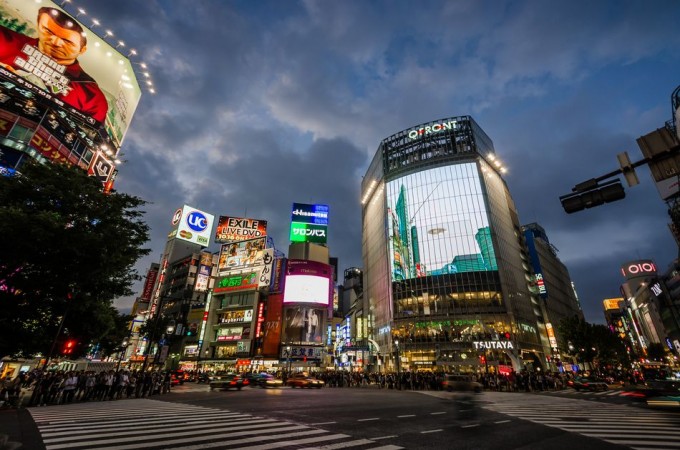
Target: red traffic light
69, 346
482, 359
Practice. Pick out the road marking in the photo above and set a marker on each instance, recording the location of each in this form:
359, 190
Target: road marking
365, 420
322, 423
435, 413
470, 426
384, 437
431, 431
407, 415
502, 421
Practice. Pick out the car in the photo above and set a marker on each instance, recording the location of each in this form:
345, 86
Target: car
589, 384
174, 381
203, 377
266, 380
460, 382
228, 381
180, 375
304, 381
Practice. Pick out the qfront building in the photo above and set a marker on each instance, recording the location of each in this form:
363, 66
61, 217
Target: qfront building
448, 280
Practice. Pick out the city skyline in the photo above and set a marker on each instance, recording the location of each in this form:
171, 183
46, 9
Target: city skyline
260, 105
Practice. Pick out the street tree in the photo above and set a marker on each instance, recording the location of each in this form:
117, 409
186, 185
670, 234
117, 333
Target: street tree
594, 344
68, 250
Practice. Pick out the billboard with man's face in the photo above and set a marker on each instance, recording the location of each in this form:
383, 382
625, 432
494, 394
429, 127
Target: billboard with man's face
48, 58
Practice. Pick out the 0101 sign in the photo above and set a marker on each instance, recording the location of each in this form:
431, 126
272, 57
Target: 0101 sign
638, 268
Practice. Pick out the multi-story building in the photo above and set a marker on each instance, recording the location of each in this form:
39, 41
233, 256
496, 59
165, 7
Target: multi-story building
447, 273
554, 288
47, 112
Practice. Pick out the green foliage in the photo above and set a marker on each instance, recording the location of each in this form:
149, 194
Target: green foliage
67, 249
591, 343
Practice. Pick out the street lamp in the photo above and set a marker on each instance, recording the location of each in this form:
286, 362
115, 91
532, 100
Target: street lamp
288, 355
396, 343
121, 355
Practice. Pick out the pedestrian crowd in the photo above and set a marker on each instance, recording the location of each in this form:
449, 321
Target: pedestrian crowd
59, 387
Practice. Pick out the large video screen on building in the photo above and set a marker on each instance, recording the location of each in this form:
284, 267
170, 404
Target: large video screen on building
307, 282
46, 52
438, 223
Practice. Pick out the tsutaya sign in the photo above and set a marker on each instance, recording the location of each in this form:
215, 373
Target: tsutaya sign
503, 345
436, 128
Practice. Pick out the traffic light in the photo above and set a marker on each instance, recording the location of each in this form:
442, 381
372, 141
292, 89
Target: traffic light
597, 196
68, 347
482, 359
507, 335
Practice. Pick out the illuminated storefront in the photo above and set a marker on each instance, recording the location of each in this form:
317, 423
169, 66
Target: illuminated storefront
444, 262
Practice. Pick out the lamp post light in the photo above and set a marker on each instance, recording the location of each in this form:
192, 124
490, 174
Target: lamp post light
396, 344
288, 355
121, 355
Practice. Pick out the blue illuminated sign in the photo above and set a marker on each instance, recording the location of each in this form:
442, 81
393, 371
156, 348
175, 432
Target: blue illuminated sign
197, 221
315, 214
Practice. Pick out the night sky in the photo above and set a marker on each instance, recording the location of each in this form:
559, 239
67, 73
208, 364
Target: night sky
260, 104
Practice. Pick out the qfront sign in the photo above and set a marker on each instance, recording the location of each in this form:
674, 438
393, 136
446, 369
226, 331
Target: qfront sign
194, 226
430, 129
641, 268
493, 345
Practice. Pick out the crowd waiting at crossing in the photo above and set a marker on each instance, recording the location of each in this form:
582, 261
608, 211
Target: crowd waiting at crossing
40, 387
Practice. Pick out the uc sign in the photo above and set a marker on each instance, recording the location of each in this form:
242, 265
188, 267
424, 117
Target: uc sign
640, 268
197, 221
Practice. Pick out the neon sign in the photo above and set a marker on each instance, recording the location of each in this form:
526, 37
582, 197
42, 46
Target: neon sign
436, 128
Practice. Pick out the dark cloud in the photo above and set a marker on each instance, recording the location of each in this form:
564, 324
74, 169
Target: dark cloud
262, 104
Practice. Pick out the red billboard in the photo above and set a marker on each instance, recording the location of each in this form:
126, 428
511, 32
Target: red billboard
235, 229
271, 329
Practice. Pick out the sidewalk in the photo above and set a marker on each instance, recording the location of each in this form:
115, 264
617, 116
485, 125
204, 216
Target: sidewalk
19, 427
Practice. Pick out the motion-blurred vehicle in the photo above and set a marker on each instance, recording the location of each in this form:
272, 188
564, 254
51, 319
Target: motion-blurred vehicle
203, 377
304, 381
589, 384
228, 381
174, 380
455, 382
266, 380
180, 375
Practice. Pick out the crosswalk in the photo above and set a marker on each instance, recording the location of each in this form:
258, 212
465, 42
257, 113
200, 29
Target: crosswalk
152, 424
617, 424
572, 391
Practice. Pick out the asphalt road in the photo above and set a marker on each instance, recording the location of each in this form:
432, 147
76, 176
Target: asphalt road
194, 418
429, 419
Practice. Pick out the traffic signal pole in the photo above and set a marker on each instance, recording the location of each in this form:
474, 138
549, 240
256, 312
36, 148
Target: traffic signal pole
591, 193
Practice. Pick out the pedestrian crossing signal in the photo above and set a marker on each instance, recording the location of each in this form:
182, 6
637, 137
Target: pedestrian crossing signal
68, 347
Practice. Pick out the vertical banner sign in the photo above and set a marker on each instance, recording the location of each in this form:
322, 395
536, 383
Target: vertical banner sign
266, 274
151, 276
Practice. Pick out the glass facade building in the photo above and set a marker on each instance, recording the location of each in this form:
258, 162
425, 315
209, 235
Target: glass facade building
446, 270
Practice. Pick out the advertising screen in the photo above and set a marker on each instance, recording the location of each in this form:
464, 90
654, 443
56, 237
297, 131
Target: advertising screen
307, 232
303, 325
234, 229
79, 74
439, 223
307, 282
238, 255
304, 213
194, 225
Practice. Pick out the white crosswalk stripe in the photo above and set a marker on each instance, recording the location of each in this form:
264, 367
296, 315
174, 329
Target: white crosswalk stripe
152, 424
572, 391
617, 424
